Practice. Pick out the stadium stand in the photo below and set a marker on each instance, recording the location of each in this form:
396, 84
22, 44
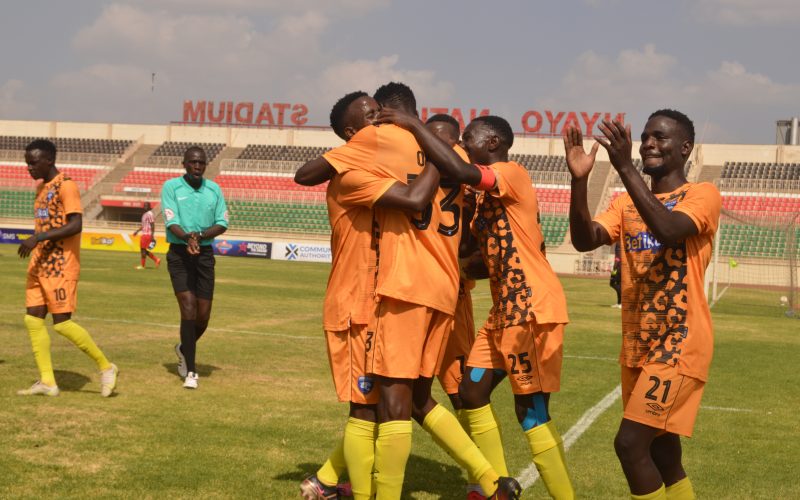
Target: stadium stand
86, 161
552, 180
761, 206
69, 145
16, 175
177, 149
280, 153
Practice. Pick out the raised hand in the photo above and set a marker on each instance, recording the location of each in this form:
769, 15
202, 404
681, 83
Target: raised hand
578, 162
619, 143
397, 117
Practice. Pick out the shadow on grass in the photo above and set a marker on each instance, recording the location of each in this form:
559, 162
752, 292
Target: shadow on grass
303, 470
202, 370
440, 479
70, 381
422, 475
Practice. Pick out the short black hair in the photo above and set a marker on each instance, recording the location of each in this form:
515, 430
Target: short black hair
682, 119
43, 145
193, 148
499, 126
339, 111
396, 95
444, 118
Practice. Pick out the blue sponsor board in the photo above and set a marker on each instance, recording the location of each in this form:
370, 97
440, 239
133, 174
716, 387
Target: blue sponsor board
14, 235
240, 248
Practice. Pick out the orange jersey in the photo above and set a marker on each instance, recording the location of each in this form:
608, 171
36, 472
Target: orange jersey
524, 286
349, 296
665, 315
54, 201
417, 254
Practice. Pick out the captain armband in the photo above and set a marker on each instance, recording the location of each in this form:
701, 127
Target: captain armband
488, 179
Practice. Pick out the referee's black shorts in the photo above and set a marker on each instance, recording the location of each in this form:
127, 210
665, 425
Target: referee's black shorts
192, 273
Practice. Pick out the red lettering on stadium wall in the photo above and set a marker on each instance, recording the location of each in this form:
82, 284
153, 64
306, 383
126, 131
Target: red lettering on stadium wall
233, 113
455, 113
532, 121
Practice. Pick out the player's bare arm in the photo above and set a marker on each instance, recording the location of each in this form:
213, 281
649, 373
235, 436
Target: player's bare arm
314, 172
668, 227
73, 226
437, 151
414, 196
585, 233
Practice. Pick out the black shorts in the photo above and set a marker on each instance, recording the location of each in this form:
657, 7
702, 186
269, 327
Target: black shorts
192, 273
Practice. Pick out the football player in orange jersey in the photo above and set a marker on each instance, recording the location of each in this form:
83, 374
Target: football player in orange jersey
349, 301
523, 335
665, 234
54, 269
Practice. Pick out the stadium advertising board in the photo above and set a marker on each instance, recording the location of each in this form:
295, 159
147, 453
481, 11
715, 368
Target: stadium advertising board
10, 235
301, 252
265, 114
119, 242
240, 248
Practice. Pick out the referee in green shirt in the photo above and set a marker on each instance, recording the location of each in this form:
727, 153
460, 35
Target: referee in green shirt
195, 213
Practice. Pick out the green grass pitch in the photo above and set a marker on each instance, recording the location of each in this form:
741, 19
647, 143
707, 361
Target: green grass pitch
265, 413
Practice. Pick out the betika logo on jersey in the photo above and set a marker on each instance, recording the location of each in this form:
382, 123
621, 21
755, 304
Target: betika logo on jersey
641, 242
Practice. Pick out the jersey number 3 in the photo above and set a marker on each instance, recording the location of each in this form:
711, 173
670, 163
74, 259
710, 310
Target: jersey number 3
447, 204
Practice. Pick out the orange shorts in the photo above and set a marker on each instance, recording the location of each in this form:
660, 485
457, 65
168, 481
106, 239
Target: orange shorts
459, 344
348, 359
530, 353
60, 295
408, 340
658, 396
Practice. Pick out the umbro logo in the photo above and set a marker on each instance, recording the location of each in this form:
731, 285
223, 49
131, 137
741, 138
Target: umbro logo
655, 407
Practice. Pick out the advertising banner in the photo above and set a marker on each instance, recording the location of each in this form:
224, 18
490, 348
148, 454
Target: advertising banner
14, 235
301, 252
119, 242
240, 248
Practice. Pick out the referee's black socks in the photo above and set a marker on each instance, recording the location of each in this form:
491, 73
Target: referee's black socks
189, 343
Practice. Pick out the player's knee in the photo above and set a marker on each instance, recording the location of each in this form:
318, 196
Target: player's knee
473, 396
531, 410
188, 309
628, 447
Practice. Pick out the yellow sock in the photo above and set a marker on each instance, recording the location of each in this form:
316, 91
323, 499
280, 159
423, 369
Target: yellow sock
450, 436
392, 449
330, 471
81, 338
485, 431
659, 494
359, 453
548, 455
40, 342
463, 419
682, 490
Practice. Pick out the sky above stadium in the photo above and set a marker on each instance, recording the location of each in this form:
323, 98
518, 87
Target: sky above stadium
729, 64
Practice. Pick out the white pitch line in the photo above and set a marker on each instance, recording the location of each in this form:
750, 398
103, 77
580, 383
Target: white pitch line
722, 408
529, 476
595, 358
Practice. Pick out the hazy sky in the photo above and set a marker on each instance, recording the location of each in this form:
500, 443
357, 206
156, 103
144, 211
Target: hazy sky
731, 65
